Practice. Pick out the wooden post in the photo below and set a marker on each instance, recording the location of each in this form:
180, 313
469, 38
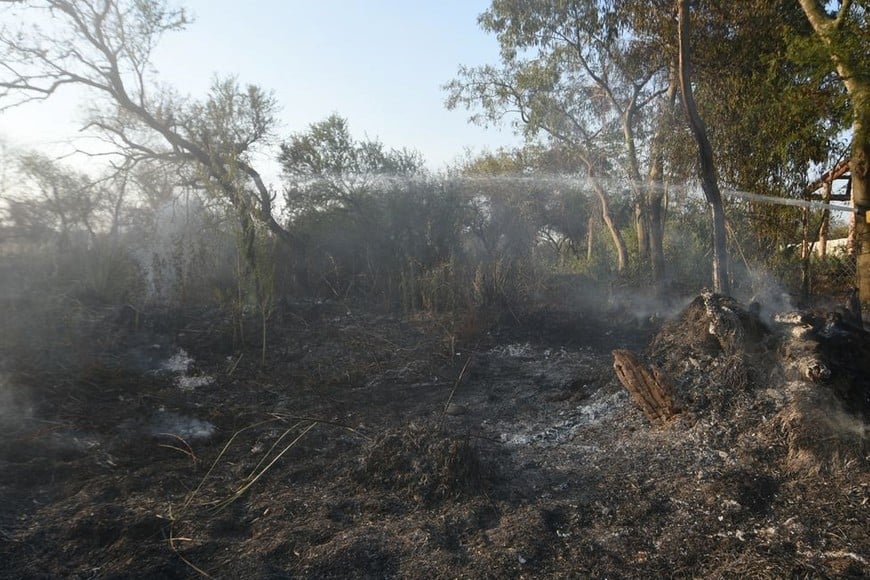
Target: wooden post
826, 222
805, 253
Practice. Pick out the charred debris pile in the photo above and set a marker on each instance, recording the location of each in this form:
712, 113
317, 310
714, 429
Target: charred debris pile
799, 378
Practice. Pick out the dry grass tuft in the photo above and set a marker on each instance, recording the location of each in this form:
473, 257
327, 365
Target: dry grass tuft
424, 463
733, 374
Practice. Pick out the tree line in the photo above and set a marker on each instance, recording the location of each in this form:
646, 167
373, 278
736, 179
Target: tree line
600, 89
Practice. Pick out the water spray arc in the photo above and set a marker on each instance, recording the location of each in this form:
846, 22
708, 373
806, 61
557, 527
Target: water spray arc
789, 201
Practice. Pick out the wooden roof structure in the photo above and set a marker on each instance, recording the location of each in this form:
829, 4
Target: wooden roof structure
825, 183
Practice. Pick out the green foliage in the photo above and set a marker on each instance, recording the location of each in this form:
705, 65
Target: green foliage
325, 166
570, 72
687, 247
105, 48
582, 74
771, 117
227, 126
588, 77
390, 238
532, 187
832, 274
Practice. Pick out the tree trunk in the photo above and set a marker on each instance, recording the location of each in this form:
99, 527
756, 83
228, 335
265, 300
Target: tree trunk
641, 209
615, 235
642, 226
655, 189
853, 75
805, 253
860, 167
657, 235
649, 388
721, 282
590, 237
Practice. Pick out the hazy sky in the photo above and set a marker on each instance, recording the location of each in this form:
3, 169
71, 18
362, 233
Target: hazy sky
379, 63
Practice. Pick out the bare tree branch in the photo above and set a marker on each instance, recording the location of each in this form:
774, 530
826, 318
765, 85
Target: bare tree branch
106, 46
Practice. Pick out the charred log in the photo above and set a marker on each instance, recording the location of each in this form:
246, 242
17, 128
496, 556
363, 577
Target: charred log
649, 389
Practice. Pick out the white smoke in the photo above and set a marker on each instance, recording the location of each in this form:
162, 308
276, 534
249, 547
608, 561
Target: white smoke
15, 409
769, 293
178, 240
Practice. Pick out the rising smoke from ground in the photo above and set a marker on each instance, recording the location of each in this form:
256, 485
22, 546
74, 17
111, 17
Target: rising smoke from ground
436, 243
15, 409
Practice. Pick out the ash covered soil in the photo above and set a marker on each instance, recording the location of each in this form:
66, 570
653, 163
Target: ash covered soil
370, 446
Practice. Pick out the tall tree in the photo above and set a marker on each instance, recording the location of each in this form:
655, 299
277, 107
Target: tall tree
844, 34
105, 46
358, 207
577, 73
709, 183
770, 118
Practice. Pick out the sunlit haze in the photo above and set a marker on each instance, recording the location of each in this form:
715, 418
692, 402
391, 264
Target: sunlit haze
378, 63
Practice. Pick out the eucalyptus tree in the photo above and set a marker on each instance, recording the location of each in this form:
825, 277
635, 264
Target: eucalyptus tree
842, 30
709, 181
105, 47
578, 74
770, 118
766, 125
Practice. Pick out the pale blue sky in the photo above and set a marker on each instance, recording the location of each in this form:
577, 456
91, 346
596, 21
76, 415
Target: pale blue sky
379, 63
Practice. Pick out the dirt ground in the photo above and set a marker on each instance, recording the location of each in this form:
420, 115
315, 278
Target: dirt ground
371, 446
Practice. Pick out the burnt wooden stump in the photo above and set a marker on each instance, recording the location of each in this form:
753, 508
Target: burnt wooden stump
649, 389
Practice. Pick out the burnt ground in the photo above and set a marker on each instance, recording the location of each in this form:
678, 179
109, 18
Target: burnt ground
372, 446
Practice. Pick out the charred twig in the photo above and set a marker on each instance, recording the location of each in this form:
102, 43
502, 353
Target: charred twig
455, 386
235, 364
